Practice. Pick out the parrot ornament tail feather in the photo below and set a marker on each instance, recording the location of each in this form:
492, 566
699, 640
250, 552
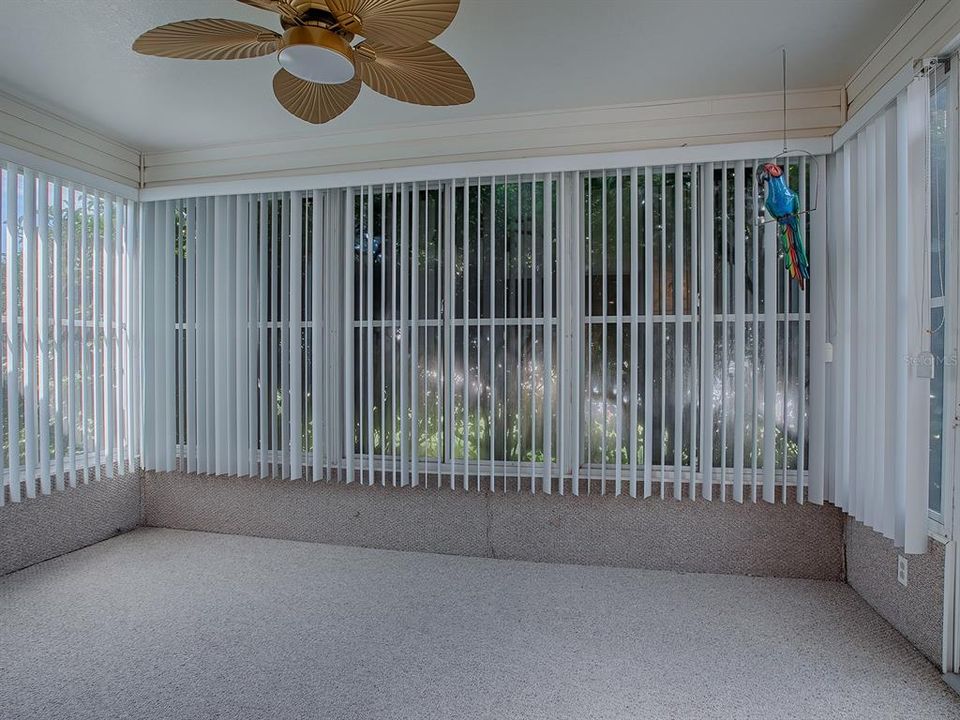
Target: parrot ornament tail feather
784, 205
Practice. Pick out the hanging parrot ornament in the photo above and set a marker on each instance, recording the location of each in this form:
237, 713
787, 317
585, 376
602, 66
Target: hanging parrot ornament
784, 205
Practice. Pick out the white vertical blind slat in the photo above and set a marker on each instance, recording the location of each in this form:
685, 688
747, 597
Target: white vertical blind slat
394, 379
449, 290
294, 392
548, 213
381, 369
362, 346
679, 284
913, 391
888, 201
108, 313
285, 332
648, 309
803, 330
603, 334
785, 345
28, 346
42, 347
818, 339
369, 348
694, 243
96, 383
478, 295
860, 386
190, 336
263, 291
724, 327
588, 380
707, 254
532, 383
57, 334
12, 336
739, 292
414, 363
769, 359
85, 419
618, 380
205, 441
71, 316
117, 377
439, 386
405, 337
240, 302
318, 387
664, 296
167, 308
634, 325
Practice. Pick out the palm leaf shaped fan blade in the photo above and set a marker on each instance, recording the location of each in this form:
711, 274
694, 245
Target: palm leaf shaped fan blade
282, 7
424, 75
395, 22
314, 102
208, 39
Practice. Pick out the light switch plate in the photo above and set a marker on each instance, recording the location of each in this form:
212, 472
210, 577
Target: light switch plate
828, 352
902, 570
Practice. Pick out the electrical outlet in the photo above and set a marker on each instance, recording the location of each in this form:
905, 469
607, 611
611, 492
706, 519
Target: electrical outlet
902, 570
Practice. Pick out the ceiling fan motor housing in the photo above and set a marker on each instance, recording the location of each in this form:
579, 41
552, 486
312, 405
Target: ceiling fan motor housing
317, 55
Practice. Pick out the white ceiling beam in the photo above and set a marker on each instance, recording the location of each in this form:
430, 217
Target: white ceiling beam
566, 134
40, 137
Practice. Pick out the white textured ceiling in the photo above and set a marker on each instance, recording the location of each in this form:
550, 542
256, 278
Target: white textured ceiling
74, 58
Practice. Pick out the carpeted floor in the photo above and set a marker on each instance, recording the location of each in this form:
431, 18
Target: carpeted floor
184, 625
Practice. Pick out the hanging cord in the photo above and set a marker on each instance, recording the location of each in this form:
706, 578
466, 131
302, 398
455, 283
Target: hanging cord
783, 64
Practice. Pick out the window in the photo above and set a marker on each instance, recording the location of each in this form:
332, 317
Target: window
248, 356
453, 326
68, 398
498, 332
669, 292
939, 148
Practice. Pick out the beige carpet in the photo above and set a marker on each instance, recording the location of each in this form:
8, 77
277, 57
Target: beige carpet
174, 624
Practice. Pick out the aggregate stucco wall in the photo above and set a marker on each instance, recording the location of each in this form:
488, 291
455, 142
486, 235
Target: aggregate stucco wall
784, 540
915, 610
44, 527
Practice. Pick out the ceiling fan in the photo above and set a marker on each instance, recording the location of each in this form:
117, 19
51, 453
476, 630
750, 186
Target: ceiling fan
321, 66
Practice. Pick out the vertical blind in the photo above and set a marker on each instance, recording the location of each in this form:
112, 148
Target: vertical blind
246, 382
70, 398
880, 317
625, 331
697, 378
452, 350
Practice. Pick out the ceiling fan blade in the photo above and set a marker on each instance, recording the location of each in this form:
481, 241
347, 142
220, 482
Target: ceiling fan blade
424, 75
208, 39
281, 7
395, 22
314, 102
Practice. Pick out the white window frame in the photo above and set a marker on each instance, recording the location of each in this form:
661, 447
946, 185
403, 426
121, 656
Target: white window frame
943, 525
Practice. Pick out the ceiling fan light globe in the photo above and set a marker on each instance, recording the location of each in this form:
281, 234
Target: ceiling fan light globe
317, 55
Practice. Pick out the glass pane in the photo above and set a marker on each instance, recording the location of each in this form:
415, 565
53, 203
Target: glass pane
936, 410
938, 240
429, 378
